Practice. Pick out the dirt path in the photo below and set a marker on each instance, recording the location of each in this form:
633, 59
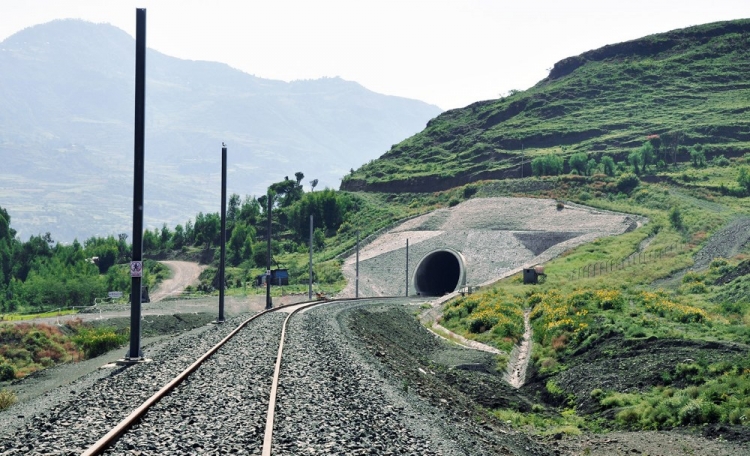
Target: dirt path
520, 356
184, 273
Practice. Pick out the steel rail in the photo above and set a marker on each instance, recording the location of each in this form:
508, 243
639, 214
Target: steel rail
103, 443
116, 432
268, 436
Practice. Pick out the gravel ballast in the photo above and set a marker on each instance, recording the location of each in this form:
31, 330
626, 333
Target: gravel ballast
336, 398
84, 411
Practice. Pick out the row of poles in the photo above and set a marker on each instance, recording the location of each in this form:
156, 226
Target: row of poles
603, 267
134, 353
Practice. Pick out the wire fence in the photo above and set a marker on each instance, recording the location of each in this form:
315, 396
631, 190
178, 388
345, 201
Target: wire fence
605, 267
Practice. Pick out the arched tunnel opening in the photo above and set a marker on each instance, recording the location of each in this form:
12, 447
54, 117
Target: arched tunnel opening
438, 273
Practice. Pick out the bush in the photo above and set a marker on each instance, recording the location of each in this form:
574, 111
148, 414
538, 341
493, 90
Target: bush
627, 182
720, 160
7, 372
95, 342
7, 398
675, 218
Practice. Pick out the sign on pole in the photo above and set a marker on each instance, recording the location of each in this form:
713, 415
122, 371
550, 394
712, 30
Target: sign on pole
136, 269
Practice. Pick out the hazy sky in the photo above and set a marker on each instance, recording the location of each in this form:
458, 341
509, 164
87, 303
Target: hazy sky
448, 53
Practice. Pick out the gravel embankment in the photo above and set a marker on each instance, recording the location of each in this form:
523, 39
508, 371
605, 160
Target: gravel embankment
84, 411
335, 398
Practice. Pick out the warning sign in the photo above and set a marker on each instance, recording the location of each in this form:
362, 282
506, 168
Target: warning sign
136, 269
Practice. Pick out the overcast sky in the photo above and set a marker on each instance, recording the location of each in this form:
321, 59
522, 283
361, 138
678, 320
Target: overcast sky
448, 53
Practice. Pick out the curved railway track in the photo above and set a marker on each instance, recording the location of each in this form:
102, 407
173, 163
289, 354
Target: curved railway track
137, 416
322, 391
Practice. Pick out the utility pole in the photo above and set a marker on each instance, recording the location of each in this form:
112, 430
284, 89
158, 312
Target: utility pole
407, 267
356, 274
222, 263
269, 303
310, 281
134, 354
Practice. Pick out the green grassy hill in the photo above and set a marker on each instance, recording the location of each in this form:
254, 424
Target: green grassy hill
690, 86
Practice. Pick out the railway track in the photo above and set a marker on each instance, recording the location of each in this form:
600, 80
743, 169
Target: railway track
331, 395
247, 349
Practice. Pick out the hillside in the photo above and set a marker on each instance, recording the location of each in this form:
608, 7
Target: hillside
690, 86
66, 130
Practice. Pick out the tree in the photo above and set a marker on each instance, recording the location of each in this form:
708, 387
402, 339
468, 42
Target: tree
648, 156
299, 176
178, 237
636, 161
233, 207
577, 162
697, 157
547, 165
207, 229
743, 178
609, 165
675, 218
591, 167
672, 141
242, 237
249, 211
164, 237
150, 241
286, 191
313, 184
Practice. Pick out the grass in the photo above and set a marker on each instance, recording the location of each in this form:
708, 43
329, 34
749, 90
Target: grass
694, 82
31, 316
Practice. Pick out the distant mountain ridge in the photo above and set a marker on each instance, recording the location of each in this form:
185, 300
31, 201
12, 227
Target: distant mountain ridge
66, 130
691, 84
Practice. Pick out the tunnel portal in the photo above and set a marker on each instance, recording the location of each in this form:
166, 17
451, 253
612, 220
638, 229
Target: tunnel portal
438, 273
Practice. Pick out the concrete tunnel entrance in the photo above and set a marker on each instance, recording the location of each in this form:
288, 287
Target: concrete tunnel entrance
438, 273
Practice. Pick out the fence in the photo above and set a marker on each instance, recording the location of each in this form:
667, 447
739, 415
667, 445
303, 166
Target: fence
604, 267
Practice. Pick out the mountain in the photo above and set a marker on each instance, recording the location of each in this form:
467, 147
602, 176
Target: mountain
66, 131
690, 86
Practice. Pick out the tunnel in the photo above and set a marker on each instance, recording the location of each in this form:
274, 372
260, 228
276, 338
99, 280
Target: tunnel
438, 273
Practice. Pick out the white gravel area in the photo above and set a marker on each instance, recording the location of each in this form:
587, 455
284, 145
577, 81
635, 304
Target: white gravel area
494, 235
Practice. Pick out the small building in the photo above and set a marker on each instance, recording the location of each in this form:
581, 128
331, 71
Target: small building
532, 274
278, 277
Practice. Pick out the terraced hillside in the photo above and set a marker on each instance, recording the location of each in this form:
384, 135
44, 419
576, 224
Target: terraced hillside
689, 86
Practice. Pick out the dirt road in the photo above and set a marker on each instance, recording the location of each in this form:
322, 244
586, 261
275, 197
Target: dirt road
184, 273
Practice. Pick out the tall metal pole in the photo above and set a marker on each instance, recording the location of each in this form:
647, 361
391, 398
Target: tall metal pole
407, 268
136, 265
310, 280
356, 274
269, 303
223, 260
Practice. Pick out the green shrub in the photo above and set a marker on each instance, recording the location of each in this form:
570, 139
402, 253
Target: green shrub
597, 393
689, 371
627, 182
692, 412
7, 398
629, 416
97, 341
7, 372
675, 218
